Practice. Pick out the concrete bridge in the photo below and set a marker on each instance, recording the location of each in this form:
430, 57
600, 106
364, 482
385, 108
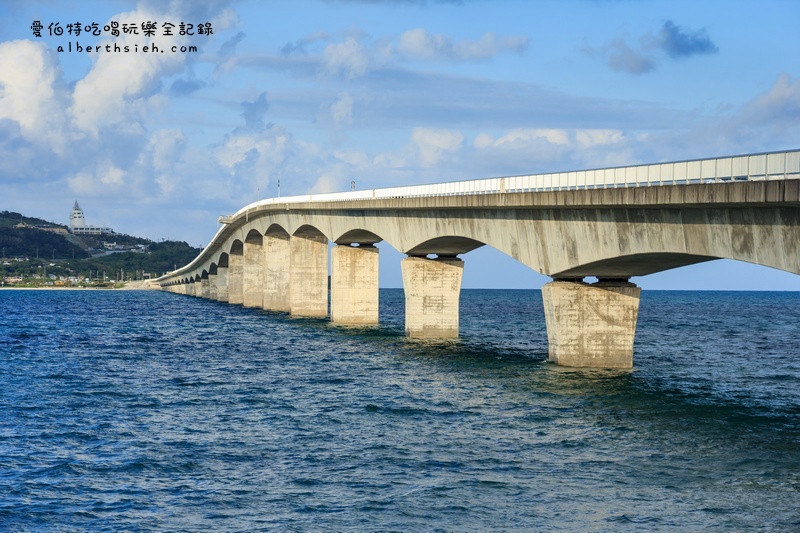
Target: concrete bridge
611, 224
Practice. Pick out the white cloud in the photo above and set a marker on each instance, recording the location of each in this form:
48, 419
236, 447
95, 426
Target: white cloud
587, 138
357, 54
584, 138
164, 151
389, 160
418, 43
31, 93
434, 144
354, 158
117, 87
779, 107
268, 147
769, 121
342, 110
325, 183
521, 136
521, 151
104, 177
226, 19
348, 58
112, 175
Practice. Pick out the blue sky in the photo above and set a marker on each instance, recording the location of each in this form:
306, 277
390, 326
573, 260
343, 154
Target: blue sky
319, 93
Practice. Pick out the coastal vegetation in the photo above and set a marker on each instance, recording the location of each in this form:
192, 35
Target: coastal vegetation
36, 252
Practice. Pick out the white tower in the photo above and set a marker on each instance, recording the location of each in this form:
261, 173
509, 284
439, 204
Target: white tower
76, 218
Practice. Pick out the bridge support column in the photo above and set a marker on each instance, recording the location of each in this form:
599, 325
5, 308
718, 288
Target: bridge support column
205, 288
222, 284
212, 287
253, 274
354, 284
432, 288
591, 325
235, 275
276, 275
308, 275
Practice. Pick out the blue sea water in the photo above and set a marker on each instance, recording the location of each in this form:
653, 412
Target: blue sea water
148, 410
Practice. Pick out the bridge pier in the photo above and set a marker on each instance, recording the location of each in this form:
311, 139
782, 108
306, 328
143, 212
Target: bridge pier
253, 271
354, 284
432, 289
221, 291
591, 325
212, 287
235, 274
276, 266
308, 275
205, 288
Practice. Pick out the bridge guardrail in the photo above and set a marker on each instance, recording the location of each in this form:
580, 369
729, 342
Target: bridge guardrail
749, 167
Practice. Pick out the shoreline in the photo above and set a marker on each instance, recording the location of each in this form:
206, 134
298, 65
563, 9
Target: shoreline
56, 289
71, 289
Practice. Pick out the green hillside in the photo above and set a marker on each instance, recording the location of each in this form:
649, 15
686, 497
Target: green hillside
161, 257
34, 247
10, 219
30, 242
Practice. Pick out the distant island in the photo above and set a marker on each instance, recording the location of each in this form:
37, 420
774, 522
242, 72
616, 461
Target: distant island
39, 253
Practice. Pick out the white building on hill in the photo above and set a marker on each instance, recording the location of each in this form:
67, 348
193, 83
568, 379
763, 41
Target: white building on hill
77, 223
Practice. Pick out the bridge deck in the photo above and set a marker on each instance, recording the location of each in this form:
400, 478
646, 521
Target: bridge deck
748, 167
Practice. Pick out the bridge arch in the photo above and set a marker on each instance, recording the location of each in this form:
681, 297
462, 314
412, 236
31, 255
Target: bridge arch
358, 236
309, 232
450, 245
212, 269
204, 274
236, 247
276, 230
222, 260
253, 237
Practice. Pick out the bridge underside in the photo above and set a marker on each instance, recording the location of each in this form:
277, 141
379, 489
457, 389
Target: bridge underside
633, 265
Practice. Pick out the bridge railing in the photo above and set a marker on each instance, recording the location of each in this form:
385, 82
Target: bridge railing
750, 167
